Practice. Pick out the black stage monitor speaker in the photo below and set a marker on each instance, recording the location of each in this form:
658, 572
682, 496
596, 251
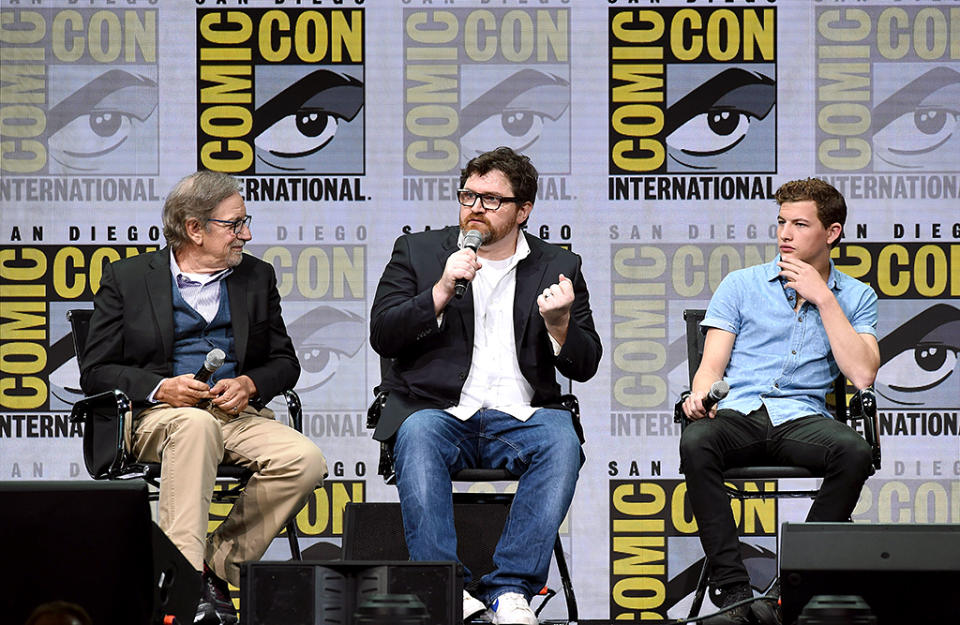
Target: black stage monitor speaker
374, 531
905, 573
329, 592
92, 544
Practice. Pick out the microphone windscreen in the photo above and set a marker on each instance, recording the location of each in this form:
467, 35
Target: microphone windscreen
215, 358
719, 389
473, 239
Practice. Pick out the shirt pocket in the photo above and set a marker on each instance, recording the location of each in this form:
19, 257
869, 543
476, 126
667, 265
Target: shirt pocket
816, 344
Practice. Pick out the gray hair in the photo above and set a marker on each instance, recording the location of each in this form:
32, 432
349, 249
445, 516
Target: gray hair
194, 197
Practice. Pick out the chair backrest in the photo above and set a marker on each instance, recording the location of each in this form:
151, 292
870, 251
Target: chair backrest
79, 319
836, 401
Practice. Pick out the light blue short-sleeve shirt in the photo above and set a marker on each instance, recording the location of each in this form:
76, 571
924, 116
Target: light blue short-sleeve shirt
781, 358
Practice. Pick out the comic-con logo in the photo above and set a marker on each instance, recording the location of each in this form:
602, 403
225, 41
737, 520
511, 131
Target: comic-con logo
887, 85
692, 90
323, 288
475, 79
280, 92
655, 554
79, 92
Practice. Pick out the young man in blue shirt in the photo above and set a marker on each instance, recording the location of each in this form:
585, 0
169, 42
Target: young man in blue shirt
780, 333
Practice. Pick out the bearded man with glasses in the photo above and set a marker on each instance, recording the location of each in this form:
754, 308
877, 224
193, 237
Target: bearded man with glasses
156, 316
471, 381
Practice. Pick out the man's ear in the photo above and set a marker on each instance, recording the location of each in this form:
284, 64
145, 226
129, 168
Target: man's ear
833, 232
524, 213
195, 230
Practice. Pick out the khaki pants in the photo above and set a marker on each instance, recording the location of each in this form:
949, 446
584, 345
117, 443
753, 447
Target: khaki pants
191, 442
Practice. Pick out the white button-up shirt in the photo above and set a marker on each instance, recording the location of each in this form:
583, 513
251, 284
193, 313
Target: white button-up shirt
495, 380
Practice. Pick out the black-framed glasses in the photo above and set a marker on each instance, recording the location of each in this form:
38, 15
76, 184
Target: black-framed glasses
489, 202
236, 225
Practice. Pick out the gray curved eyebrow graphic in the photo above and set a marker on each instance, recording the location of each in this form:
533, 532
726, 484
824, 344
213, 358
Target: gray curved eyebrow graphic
324, 90
528, 89
938, 324
135, 94
916, 93
734, 88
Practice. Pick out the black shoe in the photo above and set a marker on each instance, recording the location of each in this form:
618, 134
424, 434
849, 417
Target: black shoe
768, 612
215, 607
726, 596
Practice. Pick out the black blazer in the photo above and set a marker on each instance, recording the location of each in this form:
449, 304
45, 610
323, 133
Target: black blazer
130, 344
425, 366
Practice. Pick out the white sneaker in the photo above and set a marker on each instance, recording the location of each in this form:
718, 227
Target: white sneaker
511, 608
471, 606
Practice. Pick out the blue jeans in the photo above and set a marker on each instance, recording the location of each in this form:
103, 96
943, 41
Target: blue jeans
543, 451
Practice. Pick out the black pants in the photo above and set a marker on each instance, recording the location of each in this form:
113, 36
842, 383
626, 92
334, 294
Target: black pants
732, 439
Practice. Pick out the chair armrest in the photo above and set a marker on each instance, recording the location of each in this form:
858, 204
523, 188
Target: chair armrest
385, 466
863, 407
570, 403
373, 412
679, 416
294, 409
103, 417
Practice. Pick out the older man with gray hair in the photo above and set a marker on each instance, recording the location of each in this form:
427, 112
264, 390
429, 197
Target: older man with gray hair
156, 316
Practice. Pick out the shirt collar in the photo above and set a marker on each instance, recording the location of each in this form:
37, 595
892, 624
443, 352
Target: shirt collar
773, 273
182, 278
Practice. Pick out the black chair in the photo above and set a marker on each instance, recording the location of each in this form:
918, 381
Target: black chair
861, 408
386, 469
105, 419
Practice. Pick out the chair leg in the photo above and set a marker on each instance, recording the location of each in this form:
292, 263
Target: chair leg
292, 538
572, 612
701, 590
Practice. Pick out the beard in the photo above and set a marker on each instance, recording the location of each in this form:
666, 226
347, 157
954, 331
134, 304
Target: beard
490, 233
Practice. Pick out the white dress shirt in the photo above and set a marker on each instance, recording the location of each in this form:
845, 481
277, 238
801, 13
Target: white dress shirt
495, 380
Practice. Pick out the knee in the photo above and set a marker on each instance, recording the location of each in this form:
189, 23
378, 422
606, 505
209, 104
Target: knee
314, 464
855, 453
565, 445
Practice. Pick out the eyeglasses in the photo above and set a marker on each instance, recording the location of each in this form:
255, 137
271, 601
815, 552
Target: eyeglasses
236, 225
487, 201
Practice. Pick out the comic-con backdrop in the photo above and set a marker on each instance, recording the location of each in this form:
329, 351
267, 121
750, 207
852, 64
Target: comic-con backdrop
660, 129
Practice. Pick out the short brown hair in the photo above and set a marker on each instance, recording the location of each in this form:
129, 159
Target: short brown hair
516, 167
194, 197
831, 207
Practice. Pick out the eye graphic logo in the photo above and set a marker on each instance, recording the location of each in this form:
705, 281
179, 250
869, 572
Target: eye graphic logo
918, 125
327, 340
104, 125
309, 123
919, 360
525, 111
722, 122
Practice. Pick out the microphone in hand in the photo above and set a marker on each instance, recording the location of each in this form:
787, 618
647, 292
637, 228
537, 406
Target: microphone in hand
213, 361
718, 390
473, 240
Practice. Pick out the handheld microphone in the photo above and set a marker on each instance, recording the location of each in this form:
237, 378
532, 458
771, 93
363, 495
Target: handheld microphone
473, 240
718, 390
214, 359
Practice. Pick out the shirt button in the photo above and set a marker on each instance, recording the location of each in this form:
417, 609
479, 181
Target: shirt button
776, 385
794, 352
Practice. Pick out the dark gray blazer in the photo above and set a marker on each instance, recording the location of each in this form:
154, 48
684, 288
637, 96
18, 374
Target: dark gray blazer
130, 344
425, 366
